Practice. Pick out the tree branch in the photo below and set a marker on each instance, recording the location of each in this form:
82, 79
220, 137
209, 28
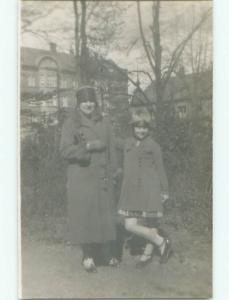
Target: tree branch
143, 37
131, 46
144, 72
42, 35
152, 52
30, 22
95, 4
180, 48
124, 74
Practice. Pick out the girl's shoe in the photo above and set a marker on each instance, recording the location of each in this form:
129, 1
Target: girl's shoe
113, 262
89, 265
144, 261
146, 256
166, 254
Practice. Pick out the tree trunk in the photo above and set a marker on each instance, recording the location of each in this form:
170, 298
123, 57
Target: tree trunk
84, 50
77, 40
157, 60
77, 19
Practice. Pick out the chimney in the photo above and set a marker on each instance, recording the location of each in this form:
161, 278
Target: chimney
52, 47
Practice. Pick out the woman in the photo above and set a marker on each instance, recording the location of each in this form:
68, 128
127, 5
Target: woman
86, 143
144, 189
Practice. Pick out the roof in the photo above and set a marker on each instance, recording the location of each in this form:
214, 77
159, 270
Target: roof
98, 67
178, 87
31, 57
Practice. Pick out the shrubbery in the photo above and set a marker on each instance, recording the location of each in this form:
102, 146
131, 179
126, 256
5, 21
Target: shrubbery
187, 154
188, 159
43, 174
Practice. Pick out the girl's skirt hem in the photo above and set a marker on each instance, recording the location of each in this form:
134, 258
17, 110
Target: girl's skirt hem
140, 214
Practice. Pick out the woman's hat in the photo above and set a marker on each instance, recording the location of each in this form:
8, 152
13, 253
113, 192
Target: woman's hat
86, 93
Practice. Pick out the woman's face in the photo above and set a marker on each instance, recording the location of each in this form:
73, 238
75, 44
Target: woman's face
141, 132
87, 107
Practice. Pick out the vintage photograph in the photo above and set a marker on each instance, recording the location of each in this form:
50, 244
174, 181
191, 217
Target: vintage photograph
115, 149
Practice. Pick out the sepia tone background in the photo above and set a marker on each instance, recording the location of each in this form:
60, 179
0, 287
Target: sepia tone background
162, 55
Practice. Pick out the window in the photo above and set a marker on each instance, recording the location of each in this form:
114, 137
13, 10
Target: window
47, 79
75, 84
48, 63
48, 73
54, 101
31, 81
65, 102
63, 84
42, 79
51, 81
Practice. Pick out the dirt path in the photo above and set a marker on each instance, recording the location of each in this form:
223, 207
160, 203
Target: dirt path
52, 270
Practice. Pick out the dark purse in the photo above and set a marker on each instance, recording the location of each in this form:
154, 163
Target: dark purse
83, 156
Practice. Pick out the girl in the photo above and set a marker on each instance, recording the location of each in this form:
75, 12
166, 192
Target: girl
144, 183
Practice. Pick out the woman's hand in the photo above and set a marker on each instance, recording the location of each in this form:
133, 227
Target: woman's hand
117, 175
95, 145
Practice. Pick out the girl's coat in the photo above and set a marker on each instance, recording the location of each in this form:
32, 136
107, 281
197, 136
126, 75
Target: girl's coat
144, 177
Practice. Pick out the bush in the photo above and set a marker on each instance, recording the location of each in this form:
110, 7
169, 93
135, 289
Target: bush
188, 160
187, 153
43, 174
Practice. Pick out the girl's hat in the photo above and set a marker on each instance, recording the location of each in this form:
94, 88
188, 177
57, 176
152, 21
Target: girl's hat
141, 117
86, 93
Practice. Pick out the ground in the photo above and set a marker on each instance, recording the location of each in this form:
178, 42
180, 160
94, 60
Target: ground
51, 269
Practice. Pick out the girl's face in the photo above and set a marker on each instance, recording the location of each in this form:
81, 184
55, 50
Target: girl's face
87, 107
141, 132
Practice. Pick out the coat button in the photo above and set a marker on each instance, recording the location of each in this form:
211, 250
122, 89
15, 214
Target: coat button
105, 183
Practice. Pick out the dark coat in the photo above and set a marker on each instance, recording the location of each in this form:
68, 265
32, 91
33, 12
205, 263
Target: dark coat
144, 176
91, 209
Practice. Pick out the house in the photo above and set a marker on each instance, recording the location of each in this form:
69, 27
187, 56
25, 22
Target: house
49, 80
185, 95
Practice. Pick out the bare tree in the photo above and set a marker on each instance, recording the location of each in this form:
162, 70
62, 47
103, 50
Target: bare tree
198, 55
96, 23
154, 52
30, 16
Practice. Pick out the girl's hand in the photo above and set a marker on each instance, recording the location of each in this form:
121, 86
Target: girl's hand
165, 197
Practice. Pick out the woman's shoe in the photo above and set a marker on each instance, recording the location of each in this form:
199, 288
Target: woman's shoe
166, 254
113, 262
89, 265
144, 261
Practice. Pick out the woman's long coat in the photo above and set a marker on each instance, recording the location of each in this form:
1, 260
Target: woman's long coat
91, 209
144, 177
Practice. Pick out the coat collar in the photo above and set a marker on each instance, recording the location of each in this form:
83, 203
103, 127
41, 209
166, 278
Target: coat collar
89, 122
131, 142
80, 119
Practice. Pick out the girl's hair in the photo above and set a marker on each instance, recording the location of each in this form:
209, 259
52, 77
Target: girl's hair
141, 123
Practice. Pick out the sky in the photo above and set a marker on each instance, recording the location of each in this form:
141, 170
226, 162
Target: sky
176, 17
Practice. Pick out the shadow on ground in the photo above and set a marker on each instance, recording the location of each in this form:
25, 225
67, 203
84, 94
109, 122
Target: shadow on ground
51, 268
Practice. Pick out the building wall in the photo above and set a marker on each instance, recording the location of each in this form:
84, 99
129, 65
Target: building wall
41, 74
